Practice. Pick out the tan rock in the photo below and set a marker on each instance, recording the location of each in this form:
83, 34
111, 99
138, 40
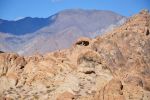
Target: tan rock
66, 96
115, 66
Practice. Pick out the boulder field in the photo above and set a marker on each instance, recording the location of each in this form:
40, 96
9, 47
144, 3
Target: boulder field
114, 66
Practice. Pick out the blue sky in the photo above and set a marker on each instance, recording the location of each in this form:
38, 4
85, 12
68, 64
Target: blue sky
16, 9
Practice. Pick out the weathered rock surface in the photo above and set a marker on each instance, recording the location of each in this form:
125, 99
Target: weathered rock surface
115, 66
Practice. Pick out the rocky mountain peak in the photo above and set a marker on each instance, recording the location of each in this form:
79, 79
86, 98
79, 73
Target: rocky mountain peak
58, 31
144, 11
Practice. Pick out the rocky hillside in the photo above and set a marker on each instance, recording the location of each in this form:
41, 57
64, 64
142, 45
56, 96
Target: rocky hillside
115, 66
55, 32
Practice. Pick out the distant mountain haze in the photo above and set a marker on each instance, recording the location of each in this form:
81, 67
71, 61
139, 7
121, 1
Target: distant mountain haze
29, 35
23, 26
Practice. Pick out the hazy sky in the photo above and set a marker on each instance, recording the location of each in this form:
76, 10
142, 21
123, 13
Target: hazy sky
16, 9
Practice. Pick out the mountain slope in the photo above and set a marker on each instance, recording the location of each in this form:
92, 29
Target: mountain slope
63, 29
23, 26
114, 66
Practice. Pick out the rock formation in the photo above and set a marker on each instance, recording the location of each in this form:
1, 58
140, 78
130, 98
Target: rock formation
115, 66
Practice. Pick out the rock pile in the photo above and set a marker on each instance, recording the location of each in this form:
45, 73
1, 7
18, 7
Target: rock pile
115, 66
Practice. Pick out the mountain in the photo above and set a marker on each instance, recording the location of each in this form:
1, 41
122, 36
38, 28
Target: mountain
57, 31
23, 26
113, 66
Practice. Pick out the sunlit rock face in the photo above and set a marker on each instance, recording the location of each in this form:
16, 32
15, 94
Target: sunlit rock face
114, 66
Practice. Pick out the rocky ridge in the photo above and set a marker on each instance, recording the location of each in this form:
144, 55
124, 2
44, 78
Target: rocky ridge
115, 66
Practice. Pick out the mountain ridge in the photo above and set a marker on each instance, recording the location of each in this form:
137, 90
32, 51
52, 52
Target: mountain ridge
46, 21
63, 29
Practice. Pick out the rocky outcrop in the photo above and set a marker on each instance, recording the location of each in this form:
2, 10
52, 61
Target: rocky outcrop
115, 66
1, 52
